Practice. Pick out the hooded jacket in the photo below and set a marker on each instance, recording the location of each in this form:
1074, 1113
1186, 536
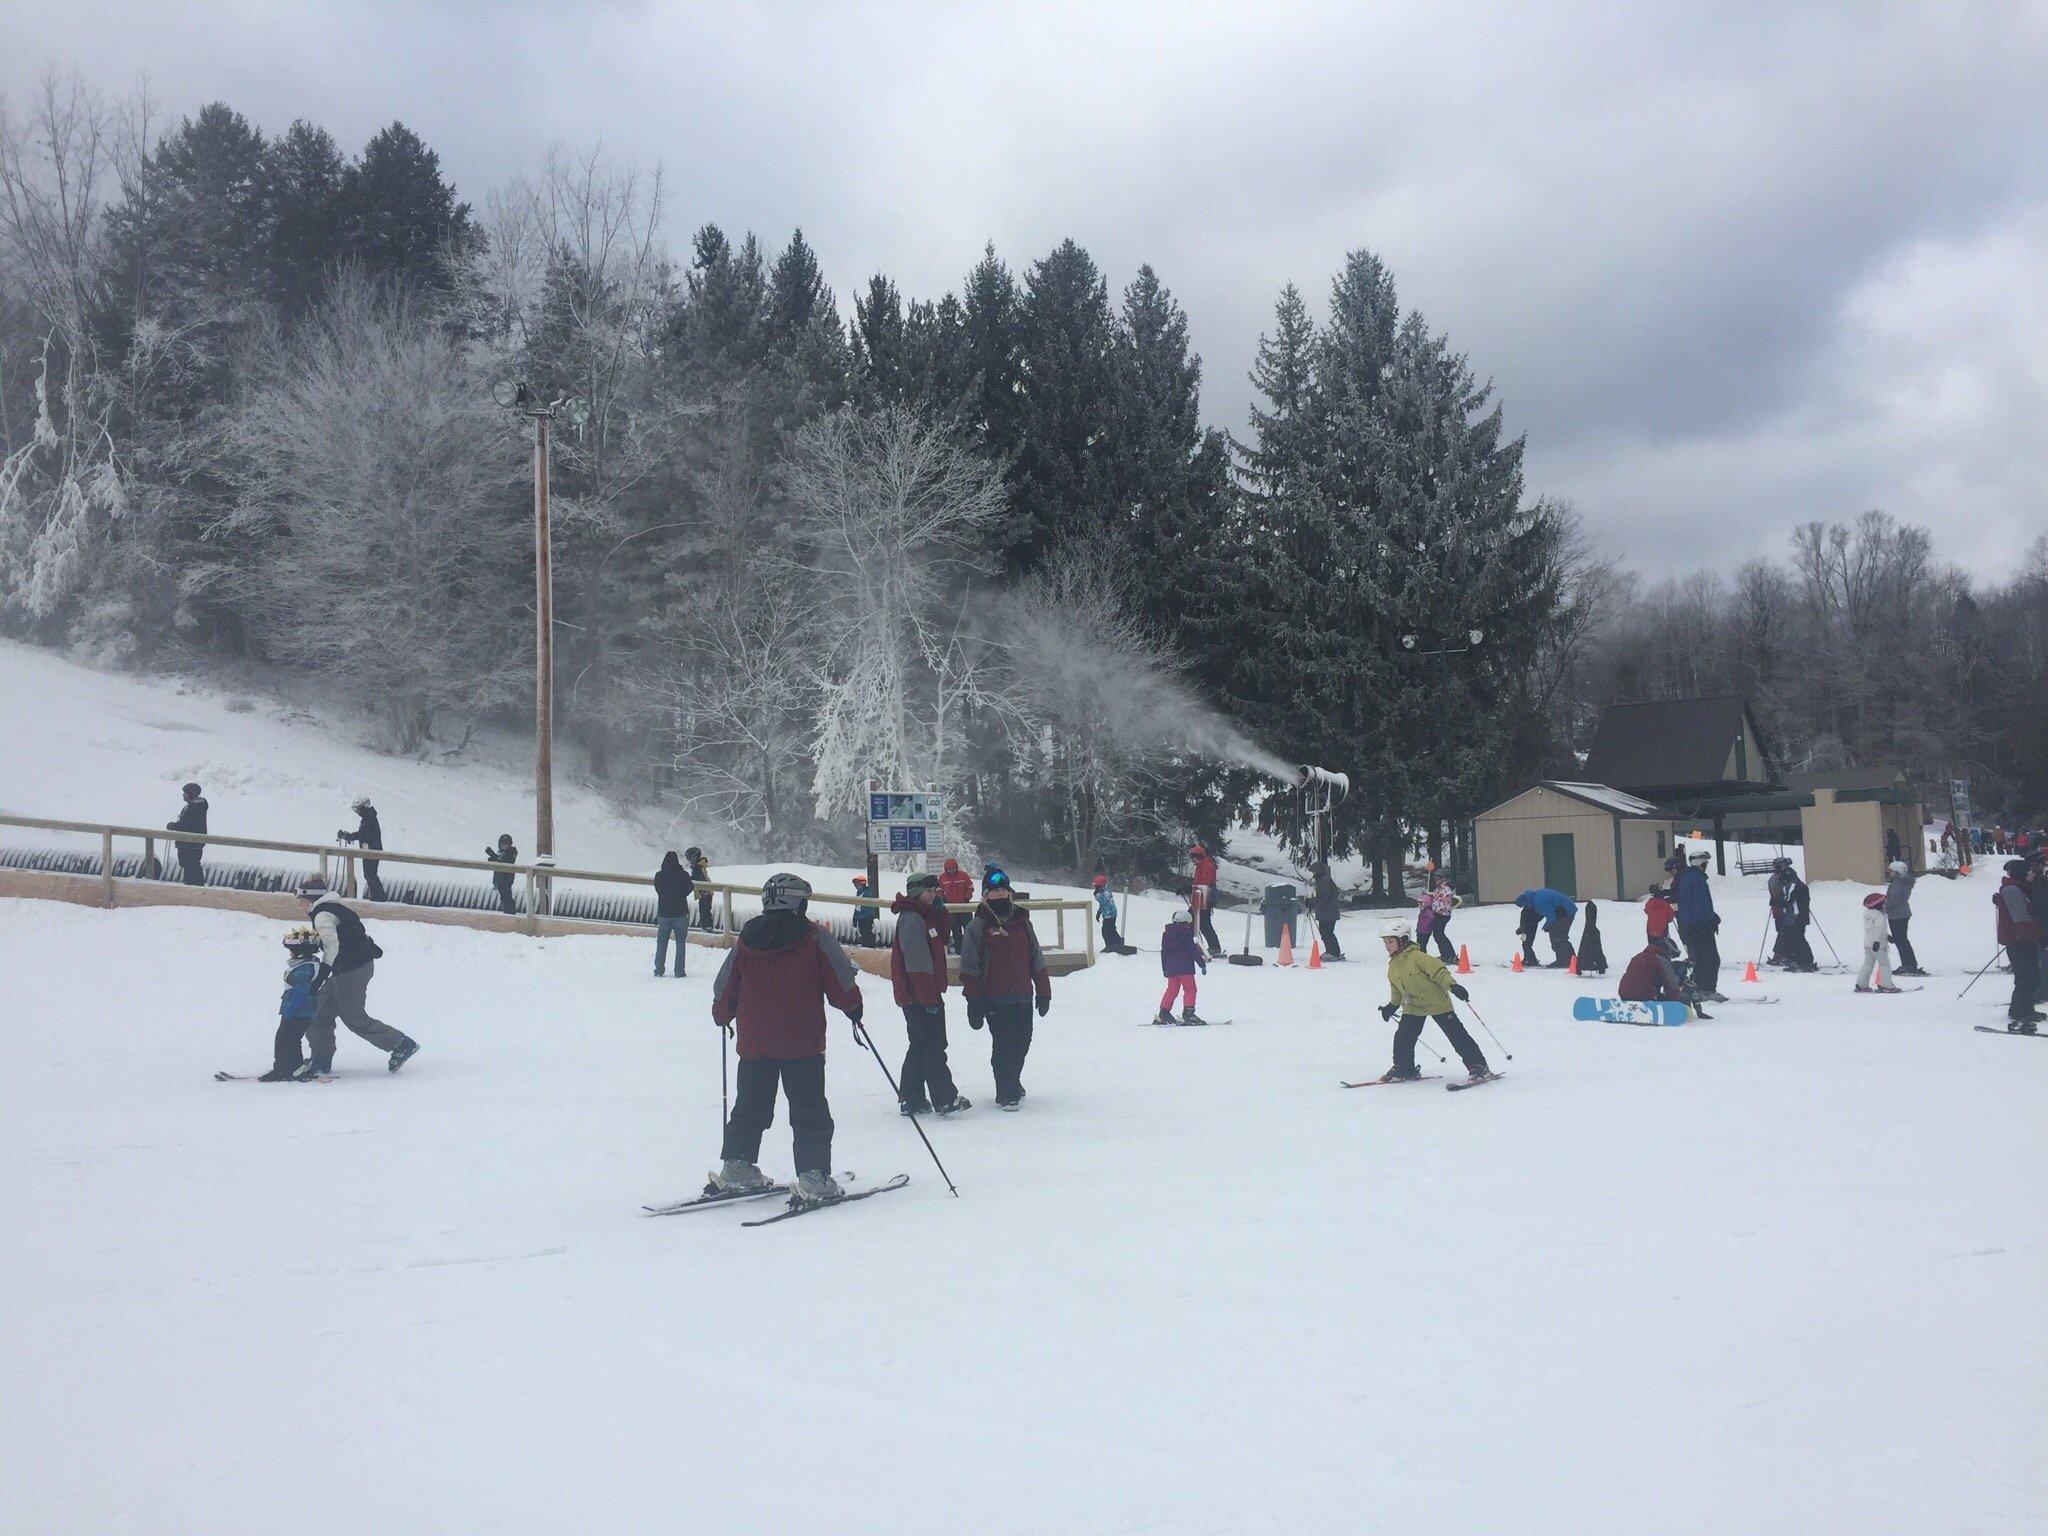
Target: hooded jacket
1548, 904
1657, 917
917, 955
1323, 905
776, 982
672, 888
2016, 923
1876, 930
1179, 954
1649, 979
1418, 982
1695, 900
1000, 961
955, 884
1898, 896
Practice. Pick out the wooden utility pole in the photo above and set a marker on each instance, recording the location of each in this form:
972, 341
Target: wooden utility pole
543, 656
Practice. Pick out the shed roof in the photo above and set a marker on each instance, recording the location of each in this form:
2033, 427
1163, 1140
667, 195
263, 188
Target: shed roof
1668, 742
1600, 796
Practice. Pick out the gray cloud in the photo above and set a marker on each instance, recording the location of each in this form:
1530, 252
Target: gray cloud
1732, 267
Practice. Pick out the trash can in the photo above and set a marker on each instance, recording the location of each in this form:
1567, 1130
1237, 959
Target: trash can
1281, 905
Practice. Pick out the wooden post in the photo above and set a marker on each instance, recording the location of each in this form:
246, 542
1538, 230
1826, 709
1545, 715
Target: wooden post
725, 906
543, 659
1059, 925
1088, 927
149, 858
107, 867
323, 866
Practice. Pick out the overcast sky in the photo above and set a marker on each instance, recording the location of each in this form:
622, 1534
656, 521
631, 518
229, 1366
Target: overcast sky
1732, 266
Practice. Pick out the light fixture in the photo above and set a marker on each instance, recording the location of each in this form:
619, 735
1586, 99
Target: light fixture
1475, 635
578, 412
1407, 642
507, 393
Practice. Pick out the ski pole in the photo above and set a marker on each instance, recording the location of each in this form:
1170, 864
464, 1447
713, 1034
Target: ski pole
1980, 972
1489, 1031
724, 1092
1825, 939
1769, 924
862, 1036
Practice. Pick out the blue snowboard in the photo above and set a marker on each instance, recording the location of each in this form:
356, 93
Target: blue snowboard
1612, 1010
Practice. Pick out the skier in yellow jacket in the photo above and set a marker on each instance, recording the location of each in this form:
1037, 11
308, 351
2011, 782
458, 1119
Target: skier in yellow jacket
1421, 989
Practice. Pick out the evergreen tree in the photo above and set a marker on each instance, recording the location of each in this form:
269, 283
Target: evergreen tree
404, 224
1062, 478
881, 343
1283, 445
308, 182
989, 331
803, 323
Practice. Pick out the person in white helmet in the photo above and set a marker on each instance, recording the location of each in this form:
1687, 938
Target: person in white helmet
1422, 989
1898, 912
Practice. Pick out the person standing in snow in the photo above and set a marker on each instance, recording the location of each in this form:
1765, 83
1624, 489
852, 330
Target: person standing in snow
956, 889
1202, 897
1421, 990
672, 888
1893, 852
1002, 971
918, 972
296, 1008
777, 978
1433, 918
191, 817
1324, 907
1592, 952
1105, 912
700, 874
1871, 978
369, 833
503, 853
1180, 956
2020, 933
1898, 912
1793, 912
866, 915
1775, 888
1697, 925
349, 956
1553, 911
1658, 916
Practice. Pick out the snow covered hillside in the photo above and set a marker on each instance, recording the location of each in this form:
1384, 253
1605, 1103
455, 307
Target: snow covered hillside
1779, 1271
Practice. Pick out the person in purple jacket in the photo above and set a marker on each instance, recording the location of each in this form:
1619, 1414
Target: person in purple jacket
1180, 956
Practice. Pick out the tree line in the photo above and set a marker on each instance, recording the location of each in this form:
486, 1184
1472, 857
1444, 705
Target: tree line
981, 542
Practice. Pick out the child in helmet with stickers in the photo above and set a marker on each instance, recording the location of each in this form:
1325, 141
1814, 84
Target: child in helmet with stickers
1105, 912
296, 1008
1422, 989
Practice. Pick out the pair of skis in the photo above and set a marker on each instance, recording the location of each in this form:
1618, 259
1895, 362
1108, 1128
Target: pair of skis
248, 1077
1426, 1077
735, 1197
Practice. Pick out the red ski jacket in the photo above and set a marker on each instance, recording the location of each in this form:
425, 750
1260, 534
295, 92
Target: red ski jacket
776, 982
1000, 960
957, 886
1205, 870
1649, 979
2016, 923
1657, 916
917, 958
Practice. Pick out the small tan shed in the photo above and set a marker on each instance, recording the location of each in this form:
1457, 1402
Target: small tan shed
1587, 840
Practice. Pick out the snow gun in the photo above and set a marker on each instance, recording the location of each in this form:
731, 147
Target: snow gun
1323, 784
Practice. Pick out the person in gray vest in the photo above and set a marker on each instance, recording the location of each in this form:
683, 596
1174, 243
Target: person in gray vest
1898, 911
348, 957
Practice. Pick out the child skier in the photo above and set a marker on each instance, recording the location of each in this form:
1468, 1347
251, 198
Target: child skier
1433, 908
1658, 916
1105, 910
1877, 933
503, 853
1180, 956
1592, 953
1422, 989
296, 1008
865, 916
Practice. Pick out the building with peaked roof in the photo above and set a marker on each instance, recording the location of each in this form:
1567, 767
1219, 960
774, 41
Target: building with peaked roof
1671, 749
1587, 840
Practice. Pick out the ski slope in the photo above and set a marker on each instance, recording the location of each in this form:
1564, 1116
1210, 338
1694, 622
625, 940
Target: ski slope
1780, 1271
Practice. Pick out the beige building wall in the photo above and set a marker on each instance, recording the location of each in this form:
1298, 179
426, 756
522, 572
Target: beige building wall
1745, 764
1509, 842
1845, 840
1644, 847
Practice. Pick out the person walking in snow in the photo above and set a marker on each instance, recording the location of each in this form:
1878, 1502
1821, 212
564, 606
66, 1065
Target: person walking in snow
1592, 952
1105, 912
700, 875
1553, 911
1698, 925
191, 817
866, 915
1793, 912
1876, 931
348, 957
918, 972
1421, 989
503, 853
1180, 956
672, 888
956, 889
1325, 908
771, 994
296, 1008
1898, 913
1433, 918
1002, 971
369, 833
1202, 897
2020, 934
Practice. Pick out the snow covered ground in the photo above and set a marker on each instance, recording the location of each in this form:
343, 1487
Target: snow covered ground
1780, 1271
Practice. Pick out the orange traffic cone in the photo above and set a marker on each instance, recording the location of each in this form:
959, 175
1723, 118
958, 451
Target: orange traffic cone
1749, 971
1287, 946
1315, 955
1464, 961
1515, 964
1572, 966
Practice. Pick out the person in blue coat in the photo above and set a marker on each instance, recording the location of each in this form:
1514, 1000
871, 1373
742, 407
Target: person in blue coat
1698, 925
1553, 911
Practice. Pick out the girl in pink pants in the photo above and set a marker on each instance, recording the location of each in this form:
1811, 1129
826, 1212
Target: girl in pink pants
1180, 957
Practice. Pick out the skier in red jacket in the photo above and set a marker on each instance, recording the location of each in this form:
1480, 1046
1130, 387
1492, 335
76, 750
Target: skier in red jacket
917, 967
1002, 971
775, 984
1202, 897
956, 889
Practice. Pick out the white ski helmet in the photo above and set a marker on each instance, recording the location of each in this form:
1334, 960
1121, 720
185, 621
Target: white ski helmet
1702, 858
1397, 928
1897, 866
1181, 915
785, 893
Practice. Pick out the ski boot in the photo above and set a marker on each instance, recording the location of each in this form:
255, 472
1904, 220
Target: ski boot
816, 1187
279, 1075
311, 1070
735, 1175
908, 1109
1397, 1075
954, 1105
1163, 1017
404, 1052
2021, 1026
1189, 1016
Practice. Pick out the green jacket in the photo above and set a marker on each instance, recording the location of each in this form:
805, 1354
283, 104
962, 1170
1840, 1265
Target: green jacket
1419, 982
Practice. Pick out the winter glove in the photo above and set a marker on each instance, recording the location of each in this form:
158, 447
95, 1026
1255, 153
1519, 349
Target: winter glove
1044, 1006
1460, 993
1388, 1012
975, 1016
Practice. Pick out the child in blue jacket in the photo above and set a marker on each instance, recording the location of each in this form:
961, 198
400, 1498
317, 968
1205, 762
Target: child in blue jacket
295, 1009
1105, 913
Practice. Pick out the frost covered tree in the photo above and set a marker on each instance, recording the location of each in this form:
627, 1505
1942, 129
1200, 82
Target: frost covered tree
384, 491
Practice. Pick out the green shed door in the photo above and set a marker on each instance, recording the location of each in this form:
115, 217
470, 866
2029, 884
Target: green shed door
1560, 863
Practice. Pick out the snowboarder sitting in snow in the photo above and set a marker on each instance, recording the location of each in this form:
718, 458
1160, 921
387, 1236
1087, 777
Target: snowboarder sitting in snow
1877, 934
296, 1008
1002, 971
1651, 978
503, 853
774, 985
1105, 910
1422, 989
1554, 911
1180, 956
1592, 953
864, 917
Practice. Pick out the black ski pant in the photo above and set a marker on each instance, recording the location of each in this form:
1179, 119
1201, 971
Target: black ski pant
373, 884
1704, 954
287, 1051
190, 856
1792, 946
1009, 1042
753, 1110
344, 996
1112, 941
1410, 1030
1209, 932
704, 911
1439, 935
864, 932
926, 1081
1328, 931
1530, 923
2026, 979
504, 888
1559, 931
1903, 945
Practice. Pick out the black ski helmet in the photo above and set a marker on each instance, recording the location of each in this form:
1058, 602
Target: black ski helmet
785, 893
